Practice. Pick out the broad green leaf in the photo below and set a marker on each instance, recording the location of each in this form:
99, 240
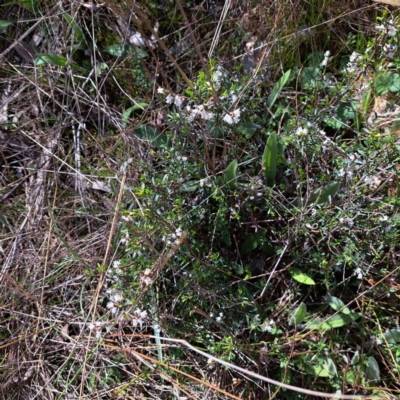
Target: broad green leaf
5, 24
355, 359
127, 113
252, 242
189, 186
28, 4
280, 153
322, 195
386, 83
373, 370
299, 276
330, 367
248, 129
337, 304
299, 315
335, 321
101, 67
269, 160
149, 134
277, 89
315, 370
116, 50
79, 36
351, 375
51, 59
392, 336
231, 173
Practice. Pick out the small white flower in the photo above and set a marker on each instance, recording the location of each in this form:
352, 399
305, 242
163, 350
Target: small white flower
268, 326
211, 314
160, 90
217, 75
169, 99
178, 101
116, 298
379, 27
147, 281
112, 307
392, 31
91, 326
137, 40
326, 59
218, 319
359, 273
385, 218
232, 117
126, 218
117, 264
301, 132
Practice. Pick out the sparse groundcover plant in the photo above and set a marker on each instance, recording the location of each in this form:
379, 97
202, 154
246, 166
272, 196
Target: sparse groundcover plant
248, 206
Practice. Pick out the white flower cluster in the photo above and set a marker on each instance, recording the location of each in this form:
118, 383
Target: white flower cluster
146, 277
353, 62
138, 317
98, 328
326, 59
389, 28
232, 117
343, 173
218, 75
173, 238
114, 273
359, 273
267, 326
116, 300
347, 221
301, 132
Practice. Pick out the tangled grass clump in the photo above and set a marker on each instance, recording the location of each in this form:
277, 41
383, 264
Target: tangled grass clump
179, 226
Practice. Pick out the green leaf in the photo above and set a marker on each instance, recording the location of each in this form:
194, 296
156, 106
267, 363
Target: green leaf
149, 134
116, 50
373, 370
79, 36
269, 160
248, 129
322, 195
252, 242
315, 370
277, 89
5, 24
330, 367
298, 276
231, 174
355, 359
388, 82
299, 315
189, 186
392, 336
335, 321
337, 304
51, 59
127, 113
28, 4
